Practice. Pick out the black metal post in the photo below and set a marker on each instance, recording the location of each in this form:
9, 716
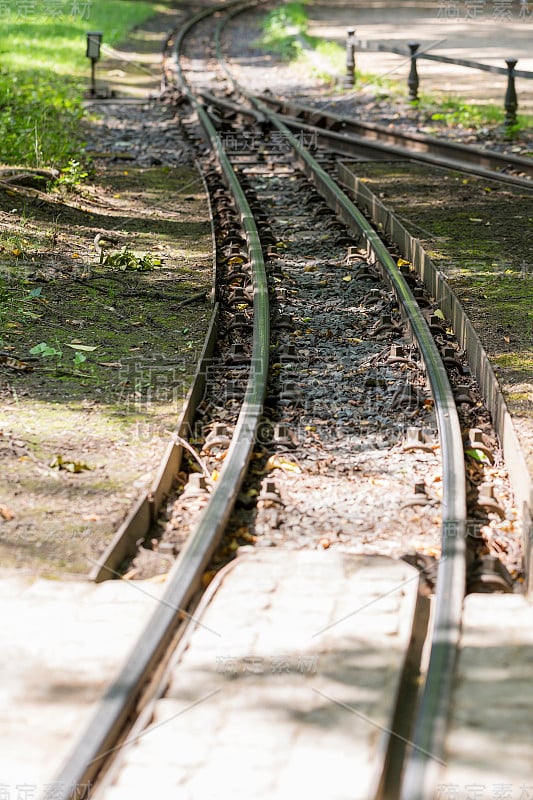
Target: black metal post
349, 79
510, 102
412, 80
94, 42
93, 77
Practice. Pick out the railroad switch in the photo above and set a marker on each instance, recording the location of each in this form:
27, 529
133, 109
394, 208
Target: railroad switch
386, 325
462, 395
269, 492
281, 436
451, 359
487, 500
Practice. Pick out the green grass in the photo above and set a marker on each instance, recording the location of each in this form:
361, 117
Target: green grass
285, 33
451, 111
281, 28
44, 73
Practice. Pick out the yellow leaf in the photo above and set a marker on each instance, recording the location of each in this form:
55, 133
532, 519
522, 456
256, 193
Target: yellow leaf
215, 475
58, 462
75, 255
280, 462
6, 513
16, 251
438, 313
207, 577
402, 263
347, 278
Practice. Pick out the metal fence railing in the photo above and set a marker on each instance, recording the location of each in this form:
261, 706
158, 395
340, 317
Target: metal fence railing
413, 53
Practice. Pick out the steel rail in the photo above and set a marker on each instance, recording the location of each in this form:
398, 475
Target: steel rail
101, 735
427, 748
428, 742
402, 145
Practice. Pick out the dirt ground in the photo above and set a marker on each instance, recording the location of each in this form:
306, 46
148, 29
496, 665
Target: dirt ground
105, 288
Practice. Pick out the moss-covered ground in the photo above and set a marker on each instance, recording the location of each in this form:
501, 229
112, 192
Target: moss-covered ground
480, 234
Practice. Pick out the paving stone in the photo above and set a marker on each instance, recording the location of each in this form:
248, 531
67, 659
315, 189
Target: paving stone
490, 743
294, 702
62, 643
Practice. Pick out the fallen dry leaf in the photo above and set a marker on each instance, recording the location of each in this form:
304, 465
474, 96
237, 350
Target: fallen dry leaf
280, 462
6, 513
58, 462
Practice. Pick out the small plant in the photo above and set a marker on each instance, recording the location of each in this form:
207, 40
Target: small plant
454, 111
126, 259
44, 350
71, 177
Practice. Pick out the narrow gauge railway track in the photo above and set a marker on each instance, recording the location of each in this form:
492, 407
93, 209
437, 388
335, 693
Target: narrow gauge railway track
349, 135
342, 135
421, 355
358, 139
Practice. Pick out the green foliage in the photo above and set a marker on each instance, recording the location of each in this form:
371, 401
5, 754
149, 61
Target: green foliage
126, 259
39, 118
281, 27
454, 111
332, 52
44, 350
288, 19
44, 73
71, 176
285, 32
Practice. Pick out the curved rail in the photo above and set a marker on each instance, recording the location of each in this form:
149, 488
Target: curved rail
120, 699
427, 749
349, 137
